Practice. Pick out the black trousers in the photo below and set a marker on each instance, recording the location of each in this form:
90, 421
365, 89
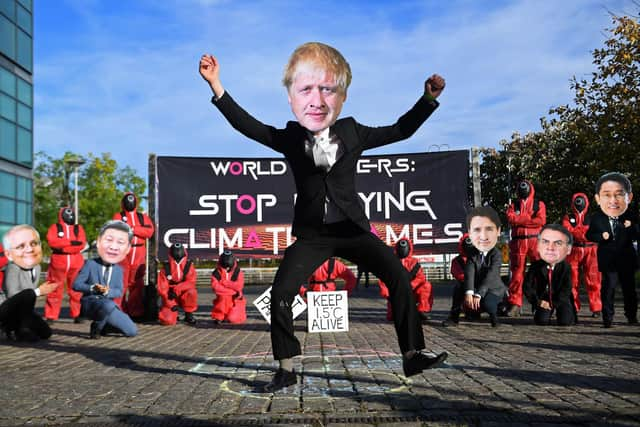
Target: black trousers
17, 314
565, 315
488, 304
348, 241
610, 280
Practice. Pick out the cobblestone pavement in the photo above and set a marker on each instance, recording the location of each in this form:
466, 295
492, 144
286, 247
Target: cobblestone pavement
516, 374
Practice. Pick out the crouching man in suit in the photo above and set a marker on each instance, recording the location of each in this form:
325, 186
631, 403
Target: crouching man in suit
101, 280
548, 285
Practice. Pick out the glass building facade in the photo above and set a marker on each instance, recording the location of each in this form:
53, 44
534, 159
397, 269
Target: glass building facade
16, 113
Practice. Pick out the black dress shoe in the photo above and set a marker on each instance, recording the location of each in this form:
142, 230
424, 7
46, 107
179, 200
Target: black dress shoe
189, 319
494, 320
78, 320
596, 314
424, 316
94, 333
607, 323
280, 380
420, 361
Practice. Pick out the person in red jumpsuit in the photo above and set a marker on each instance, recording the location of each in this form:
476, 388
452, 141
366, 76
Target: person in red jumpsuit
177, 287
422, 290
324, 278
66, 240
526, 216
227, 281
583, 254
134, 265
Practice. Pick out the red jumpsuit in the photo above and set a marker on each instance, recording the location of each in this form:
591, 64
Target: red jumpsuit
179, 277
134, 264
229, 304
583, 253
324, 278
458, 263
66, 242
422, 289
526, 219
3, 262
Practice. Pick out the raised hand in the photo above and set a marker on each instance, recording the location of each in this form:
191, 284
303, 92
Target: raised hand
434, 85
210, 72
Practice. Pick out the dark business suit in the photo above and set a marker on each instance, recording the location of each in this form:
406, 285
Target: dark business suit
559, 292
482, 277
17, 304
97, 306
350, 239
617, 261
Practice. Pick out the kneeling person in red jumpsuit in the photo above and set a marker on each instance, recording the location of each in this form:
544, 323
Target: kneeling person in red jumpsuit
421, 287
66, 240
324, 278
177, 287
227, 281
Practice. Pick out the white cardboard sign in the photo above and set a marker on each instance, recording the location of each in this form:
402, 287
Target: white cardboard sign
263, 304
328, 311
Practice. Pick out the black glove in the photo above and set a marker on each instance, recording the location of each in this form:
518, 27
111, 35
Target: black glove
172, 294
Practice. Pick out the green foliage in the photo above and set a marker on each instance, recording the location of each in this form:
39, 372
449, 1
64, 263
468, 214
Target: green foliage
101, 184
599, 132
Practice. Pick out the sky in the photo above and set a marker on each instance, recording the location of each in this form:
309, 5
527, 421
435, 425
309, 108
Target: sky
122, 76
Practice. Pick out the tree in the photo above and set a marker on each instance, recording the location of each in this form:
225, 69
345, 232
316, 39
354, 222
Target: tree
599, 132
101, 184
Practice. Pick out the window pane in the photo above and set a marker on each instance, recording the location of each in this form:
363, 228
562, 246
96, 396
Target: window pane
7, 107
7, 210
24, 19
24, 189
24, 116
7, 37
24, 213
25, 50
25, 147
24, 92
9, 9
28, 4
7, 140
7, 185
7, 82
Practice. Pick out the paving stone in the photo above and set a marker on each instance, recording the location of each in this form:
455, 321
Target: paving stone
518, 374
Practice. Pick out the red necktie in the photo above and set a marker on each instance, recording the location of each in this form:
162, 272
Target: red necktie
550, 276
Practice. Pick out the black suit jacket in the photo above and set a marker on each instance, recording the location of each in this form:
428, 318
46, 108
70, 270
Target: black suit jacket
314, 184
615, 253
536, 284
483, 277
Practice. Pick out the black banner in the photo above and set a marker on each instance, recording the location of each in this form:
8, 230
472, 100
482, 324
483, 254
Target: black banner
246, 205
